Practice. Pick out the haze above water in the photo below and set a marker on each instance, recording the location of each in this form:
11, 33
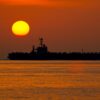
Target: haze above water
49, 80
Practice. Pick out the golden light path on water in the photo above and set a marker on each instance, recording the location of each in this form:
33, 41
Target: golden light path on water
50, 80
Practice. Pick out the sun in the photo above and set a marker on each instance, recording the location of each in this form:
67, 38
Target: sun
20, 28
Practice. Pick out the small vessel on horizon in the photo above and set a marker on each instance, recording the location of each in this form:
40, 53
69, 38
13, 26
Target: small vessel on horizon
42, 53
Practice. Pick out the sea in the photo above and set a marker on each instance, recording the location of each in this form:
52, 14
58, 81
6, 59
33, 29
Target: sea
49, 80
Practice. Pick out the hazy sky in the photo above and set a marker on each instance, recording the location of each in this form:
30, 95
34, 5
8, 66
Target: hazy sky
65, 25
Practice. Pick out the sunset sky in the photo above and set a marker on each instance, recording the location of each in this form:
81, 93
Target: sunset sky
65, 25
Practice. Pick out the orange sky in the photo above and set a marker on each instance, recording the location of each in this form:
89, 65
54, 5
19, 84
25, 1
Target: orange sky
66, 25
24, 2
64, 3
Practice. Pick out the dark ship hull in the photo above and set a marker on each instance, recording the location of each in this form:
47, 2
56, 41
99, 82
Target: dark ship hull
55, 56
42, 53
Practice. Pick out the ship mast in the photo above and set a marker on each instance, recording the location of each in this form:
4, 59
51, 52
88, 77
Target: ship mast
41, 42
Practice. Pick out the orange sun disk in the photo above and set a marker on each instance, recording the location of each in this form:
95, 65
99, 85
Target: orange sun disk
20, 28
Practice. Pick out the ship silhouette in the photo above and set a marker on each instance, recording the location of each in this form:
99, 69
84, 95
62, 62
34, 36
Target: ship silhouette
41, 53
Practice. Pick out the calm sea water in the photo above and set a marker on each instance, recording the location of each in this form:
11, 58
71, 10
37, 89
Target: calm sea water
49, 80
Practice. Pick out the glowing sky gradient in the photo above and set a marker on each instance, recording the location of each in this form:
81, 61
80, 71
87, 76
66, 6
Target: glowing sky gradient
66, 25
24, 2
62, 3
